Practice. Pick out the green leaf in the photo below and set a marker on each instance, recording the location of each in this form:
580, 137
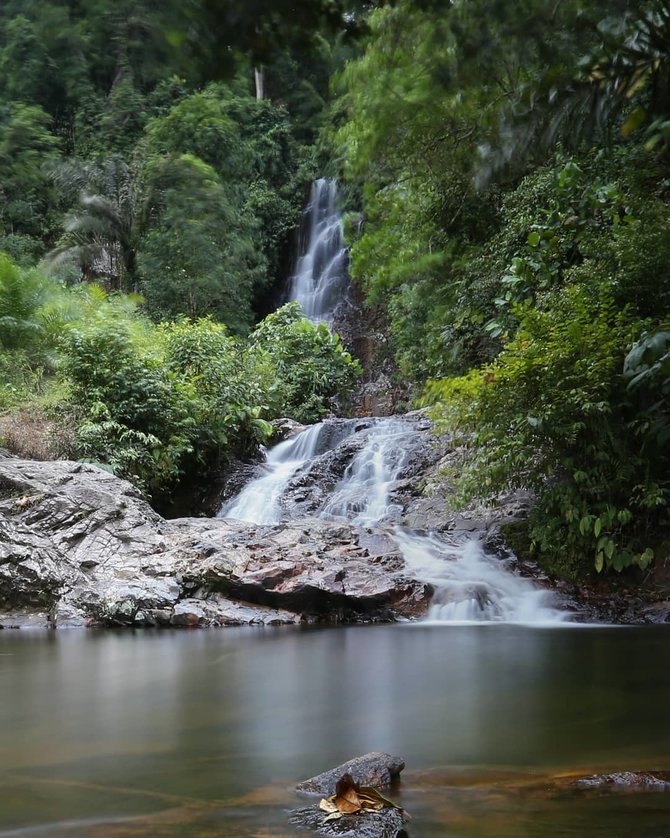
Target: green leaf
585, 524
635, 119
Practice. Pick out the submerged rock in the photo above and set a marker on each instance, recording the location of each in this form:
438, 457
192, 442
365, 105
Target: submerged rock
377, 769
627, 781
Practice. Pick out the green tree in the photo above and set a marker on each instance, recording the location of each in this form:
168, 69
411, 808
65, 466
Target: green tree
306, 367
101, 232
197, 257
26, 143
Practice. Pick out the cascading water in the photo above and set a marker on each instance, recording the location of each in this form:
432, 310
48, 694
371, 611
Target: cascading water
470, 585
258, 502
321, 279
363, 494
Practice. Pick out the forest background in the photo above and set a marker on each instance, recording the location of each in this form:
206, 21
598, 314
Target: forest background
504, 173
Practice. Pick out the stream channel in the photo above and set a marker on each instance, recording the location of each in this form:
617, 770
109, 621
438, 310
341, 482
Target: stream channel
493, 699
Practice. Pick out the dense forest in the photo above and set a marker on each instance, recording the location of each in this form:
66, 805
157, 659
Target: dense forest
505, 178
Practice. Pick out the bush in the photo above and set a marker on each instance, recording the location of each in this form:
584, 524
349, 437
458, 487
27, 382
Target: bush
158, 405
305, 366
553, 413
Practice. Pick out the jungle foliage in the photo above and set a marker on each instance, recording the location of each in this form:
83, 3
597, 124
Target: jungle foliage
511, 164
159, 404
158, 194
507, 167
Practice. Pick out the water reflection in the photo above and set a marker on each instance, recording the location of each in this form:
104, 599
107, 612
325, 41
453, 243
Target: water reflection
97, 724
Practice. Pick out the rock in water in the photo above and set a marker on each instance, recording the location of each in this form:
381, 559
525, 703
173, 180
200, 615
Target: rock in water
375, 769
387, 823
627, 781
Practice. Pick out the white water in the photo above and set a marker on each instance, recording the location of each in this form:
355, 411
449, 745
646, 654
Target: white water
470, 585
258, 502
362, 496
321, 278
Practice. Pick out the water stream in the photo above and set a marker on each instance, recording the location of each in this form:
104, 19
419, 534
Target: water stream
258, 502
321, 279
202, 734
470, 585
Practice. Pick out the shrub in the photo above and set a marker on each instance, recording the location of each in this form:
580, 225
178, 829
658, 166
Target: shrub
553, 413
308, 365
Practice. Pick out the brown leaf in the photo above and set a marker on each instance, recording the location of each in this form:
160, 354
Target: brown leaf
368, 793
348, 802
346, 795
370, 801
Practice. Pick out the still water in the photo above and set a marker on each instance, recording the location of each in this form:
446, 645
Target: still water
204, 732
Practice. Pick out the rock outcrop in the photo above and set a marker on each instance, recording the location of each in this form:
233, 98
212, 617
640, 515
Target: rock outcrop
79, 546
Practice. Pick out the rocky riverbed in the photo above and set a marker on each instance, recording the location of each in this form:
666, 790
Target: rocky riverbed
79, 546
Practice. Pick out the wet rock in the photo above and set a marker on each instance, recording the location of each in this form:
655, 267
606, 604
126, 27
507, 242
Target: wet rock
386, 823
285, 428
627, 781
216, 610
658, 612
377, 769
328, 576
78, 546
25, 618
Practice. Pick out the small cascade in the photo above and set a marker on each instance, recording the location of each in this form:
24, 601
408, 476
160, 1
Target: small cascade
470, 585
321, 279
363, 494
258, 502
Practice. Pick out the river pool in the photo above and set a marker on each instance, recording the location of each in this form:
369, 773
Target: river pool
194, 733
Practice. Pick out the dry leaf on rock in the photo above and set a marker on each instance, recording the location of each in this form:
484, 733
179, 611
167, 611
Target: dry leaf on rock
350, 798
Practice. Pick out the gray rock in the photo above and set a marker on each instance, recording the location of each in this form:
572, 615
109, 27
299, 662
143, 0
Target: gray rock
627, 780
79, 546
376, 769
386, 823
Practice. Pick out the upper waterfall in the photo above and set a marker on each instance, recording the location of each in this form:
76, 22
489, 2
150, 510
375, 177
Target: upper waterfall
320, 279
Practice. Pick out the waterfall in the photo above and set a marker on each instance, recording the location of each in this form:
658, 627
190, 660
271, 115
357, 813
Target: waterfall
321, 279
363, 494
258, 502
470, 585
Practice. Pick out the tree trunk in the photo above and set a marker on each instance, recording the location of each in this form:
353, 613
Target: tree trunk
259, 78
